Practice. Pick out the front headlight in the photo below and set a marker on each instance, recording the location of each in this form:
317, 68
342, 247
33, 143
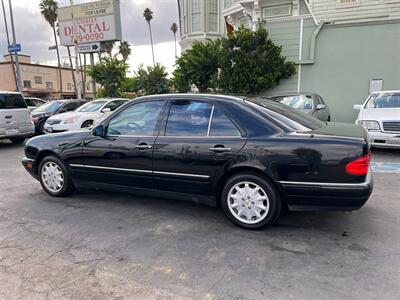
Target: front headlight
370, 125
70, 121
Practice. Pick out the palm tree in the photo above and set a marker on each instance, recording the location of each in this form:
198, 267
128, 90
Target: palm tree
109, 47
125, 49
48, 9
148, 16
174, 29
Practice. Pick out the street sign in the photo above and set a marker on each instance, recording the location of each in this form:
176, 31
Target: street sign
14, 48
88, 48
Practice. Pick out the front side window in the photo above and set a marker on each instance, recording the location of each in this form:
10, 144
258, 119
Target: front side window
10, 101
384, 100
137, 120
188, 118
221, 125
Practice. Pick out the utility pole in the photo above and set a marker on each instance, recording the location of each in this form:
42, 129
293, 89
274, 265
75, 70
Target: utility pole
8, 43
19, 85
77, 67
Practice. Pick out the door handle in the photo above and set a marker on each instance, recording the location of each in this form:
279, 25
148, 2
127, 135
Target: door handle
8, 117
143, 146
220, 149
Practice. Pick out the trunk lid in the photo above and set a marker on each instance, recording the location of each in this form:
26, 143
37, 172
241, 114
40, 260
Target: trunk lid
342, 130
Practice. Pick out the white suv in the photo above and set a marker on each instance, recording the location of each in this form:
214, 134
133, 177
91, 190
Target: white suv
15, 118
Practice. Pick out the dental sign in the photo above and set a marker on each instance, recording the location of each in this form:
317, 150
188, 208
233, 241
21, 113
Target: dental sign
90, 22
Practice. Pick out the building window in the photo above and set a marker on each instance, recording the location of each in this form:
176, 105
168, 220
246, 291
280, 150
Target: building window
347, 3
49, 85
277, 11
38, 80
196, 15
27, 84
212, 8
69, 86
227, 3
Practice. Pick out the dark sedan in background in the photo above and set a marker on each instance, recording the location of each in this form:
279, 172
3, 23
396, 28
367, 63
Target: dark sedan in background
249, 156
51, 108
309, 103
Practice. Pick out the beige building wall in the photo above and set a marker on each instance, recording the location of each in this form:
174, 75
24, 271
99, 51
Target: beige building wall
40, 80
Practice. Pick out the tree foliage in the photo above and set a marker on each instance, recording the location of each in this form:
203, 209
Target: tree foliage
110, 73
198, 66
152, 80
243, 62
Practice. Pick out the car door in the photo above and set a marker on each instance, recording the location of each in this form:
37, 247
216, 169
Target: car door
197, 141
123, 155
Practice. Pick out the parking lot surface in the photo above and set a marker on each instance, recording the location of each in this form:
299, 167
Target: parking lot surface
102, 245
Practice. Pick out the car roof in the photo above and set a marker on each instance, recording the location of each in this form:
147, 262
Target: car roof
291, 94
193, 96
9, 92
388, 91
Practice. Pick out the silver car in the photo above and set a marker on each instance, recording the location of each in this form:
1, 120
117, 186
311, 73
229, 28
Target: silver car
15, 118
308, 103
380, 115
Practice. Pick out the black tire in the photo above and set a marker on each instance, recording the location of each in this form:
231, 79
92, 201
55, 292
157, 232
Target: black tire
67, 187
273, 199
17, 140
87, 124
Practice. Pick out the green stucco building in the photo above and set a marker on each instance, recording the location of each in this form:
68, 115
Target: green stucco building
342, 48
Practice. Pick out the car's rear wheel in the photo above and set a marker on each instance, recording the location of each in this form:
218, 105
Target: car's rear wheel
55, 177
250, 201
17, 140
87, 124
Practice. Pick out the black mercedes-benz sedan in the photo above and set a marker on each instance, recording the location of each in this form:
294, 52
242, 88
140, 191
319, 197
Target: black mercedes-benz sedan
249, 156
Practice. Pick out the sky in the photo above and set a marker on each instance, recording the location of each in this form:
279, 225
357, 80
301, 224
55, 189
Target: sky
35, 34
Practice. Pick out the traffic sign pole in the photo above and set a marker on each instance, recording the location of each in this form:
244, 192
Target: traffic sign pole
93, 82
77, 77
19, 81
8, 43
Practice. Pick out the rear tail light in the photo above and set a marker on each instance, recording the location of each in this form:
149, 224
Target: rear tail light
359, 166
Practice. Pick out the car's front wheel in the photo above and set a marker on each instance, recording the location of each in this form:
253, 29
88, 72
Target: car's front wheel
87, 124
250, 201
55, 177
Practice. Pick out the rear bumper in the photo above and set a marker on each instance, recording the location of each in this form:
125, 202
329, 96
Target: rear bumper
30, 166
327, 196
26, 131
384, 140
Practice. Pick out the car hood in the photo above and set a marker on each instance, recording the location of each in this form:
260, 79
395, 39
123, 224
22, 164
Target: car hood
342, 130
380, 114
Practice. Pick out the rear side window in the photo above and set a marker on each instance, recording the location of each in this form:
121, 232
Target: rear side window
221, 125
188, 118
10, 101
70, 106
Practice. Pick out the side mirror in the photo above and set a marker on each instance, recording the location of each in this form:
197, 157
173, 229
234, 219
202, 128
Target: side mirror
357, 107
320, 106
99, 130
106, 110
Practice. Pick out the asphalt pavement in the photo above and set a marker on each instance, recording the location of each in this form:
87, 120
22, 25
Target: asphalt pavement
102, 245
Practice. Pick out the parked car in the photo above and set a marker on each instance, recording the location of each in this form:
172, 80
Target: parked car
309, 103
380, 115
51, 108
15, 118
33, 102
250, 156
84, 117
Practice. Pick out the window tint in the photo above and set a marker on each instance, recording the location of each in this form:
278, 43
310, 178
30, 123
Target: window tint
10, 101
188, 118
70, 106
29, 102
221, 125
139, 119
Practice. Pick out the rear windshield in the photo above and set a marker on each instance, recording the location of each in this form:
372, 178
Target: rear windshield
302, 102
289, 117
10, 101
